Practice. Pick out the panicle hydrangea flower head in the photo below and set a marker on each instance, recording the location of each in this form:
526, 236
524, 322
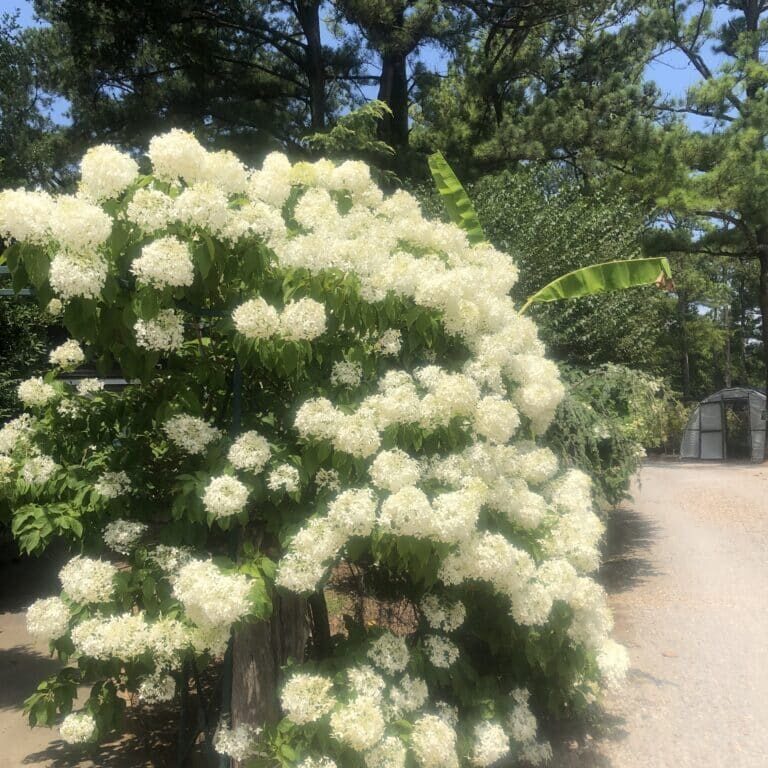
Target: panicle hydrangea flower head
225, 496
302, 320
256, 319
122, 535
105, 172
490, 745
211, 597
164, 263
123, 636
14, 433
89, 386
80, 275
157, 688
48, 618
191, 434
239, 743
433, 742
163, 333
35, 392
390, 752
394, 470
79, 226
285, 477
38, 469
110, 485
346, 374
177, 155
441, 614
78, 728
249, 452
359, 724
150, 210
441, 651
67, 356
25, 216
86, 580
390, 653
306, 697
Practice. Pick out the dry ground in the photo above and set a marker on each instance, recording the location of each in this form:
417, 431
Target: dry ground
688, 575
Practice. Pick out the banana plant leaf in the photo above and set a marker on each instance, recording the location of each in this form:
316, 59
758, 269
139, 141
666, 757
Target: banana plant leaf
609, 276
455, 198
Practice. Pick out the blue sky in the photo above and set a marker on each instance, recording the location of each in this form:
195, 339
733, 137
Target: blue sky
672, 71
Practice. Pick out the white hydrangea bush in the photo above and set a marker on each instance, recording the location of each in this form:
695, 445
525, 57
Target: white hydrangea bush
321, 380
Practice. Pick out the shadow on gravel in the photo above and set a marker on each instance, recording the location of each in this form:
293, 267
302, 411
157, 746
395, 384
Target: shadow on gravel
129, 753
21, 669
628, 540
626, 564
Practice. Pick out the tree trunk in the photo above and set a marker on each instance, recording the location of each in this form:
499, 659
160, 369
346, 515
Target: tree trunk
309, 19
393, 91
764, 301
728, 372
259, 652
685, 368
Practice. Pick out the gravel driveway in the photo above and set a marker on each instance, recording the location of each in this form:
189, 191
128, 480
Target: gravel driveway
688, 577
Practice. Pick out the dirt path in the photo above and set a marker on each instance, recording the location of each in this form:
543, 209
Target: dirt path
689, 589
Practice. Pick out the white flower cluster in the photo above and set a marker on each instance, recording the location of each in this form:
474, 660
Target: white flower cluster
78, 728
491, 744
225, 496
48, 618
394, 470
157, 688
189, 433
150, 210
346, 374
122, 535
38, 469
25, 215
443, 615
163, 333
303, 319
285, 477
89, 386
305, 697
105, 172
433, 742
389, 343
14, 433
442, 653
164, 263
351, 513
359, 724
522, 727
110, 485
239, 742
86, 580
170, 559
35, 392
212, 599
67, 356
390, 653
249, 452
81, 275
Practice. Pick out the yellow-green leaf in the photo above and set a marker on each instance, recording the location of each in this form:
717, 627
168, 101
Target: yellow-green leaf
455, 198
600, 278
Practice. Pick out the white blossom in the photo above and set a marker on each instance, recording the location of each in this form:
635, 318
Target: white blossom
122, 535
156, 688
163, 333
110, 485
225, 496
191, 434
67, 356
358, 724
249, 452
35, 392
441, 651
239, 742
285, 477
389, 653
346, 374
302, 319
86, 580
105, 172
305, 697
256, 319
163, 263
89, 386
48, 618
491, 744
433, 742
78, 728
